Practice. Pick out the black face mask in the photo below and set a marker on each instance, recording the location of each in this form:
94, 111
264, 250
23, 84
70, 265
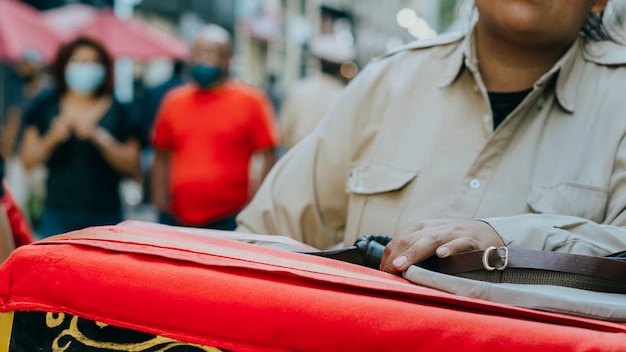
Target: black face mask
205, 75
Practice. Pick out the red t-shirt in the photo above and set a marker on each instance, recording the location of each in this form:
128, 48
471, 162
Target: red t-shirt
212, 136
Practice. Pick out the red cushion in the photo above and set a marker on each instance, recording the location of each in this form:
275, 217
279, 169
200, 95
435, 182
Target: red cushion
239, 296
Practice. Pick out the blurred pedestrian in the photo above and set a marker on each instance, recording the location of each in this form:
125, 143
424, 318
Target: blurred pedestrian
274, 91
26, 187
88, 141
150, 102
7, 244
30, 71
205, 137
153, 96
309, 99
512, 134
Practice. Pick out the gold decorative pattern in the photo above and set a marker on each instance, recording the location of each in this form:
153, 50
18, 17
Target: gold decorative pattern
162, 344
52, 321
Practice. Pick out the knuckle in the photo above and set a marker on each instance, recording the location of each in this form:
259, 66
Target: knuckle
463, 244
388, 250
404, 242
432, 237
412, 252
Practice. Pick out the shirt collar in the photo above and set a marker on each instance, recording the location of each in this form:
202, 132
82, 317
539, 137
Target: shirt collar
464, 56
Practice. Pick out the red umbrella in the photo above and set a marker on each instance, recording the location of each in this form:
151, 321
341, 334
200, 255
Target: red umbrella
22, 28
69, 18
133, 38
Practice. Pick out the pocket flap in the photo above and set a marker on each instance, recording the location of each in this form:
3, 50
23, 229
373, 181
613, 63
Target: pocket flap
378, 178
575, 199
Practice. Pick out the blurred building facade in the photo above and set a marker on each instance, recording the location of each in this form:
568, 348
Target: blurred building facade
273, 40
272, 36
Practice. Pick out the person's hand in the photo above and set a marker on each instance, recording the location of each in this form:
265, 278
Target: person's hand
60, 130
101, 137
84, 130
437, 237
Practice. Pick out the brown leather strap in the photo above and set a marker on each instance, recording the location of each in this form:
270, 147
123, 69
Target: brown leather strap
597, 267
350, 255
609, 275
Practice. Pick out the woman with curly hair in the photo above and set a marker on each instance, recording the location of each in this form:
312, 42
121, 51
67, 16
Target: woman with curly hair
87, 140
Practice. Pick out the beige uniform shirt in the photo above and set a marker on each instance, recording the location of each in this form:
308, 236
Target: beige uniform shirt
412, 139
305, 105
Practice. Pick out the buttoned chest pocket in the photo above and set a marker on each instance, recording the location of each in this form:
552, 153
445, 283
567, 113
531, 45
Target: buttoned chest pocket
376, 196
571, 198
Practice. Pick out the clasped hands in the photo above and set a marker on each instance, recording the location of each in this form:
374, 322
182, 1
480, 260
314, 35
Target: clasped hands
437, 237
61, 128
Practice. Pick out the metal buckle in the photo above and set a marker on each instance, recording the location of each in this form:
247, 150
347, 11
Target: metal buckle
504, 256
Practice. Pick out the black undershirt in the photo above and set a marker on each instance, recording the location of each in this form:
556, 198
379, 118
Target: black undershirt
503, 104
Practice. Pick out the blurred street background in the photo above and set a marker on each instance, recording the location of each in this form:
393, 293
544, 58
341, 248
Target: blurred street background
271, 36
273, 44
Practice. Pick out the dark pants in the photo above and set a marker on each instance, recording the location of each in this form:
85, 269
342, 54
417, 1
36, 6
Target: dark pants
226, 224
55, 221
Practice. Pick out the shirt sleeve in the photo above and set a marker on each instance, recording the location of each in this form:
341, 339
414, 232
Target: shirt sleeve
571, 234
264, 127
304, 195
122, 122
288, 119
38, 110
162, 132
136, 127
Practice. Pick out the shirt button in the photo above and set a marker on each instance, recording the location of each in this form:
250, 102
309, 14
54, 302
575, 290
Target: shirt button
474, 183
486, 119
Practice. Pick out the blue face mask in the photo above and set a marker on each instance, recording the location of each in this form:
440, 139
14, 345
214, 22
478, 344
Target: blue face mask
85, 77
205, 75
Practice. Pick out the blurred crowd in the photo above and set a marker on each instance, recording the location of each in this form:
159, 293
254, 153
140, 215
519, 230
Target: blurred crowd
189, 151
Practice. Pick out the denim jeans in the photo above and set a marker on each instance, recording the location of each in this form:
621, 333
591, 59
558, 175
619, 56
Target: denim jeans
227, 223
55, 221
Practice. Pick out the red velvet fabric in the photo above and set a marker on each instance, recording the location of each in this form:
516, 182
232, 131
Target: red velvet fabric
22, 233
243, 297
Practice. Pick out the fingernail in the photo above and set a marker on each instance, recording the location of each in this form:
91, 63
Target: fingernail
400, 261
443, 252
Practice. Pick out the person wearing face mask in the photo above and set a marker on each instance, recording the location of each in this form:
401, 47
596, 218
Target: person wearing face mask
87, 140
205, 136
512, 134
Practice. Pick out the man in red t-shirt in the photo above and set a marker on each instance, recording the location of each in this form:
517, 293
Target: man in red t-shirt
205, 136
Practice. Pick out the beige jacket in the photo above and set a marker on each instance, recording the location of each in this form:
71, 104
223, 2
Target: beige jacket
305, 105
412, 139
